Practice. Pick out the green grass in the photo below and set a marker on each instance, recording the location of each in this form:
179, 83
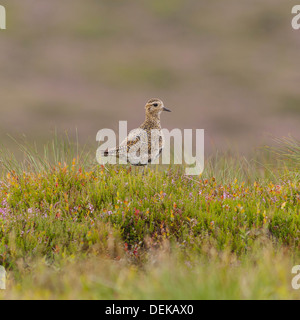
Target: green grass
70, 228
289, 151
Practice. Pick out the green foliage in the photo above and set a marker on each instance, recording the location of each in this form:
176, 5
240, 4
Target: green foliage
75, 211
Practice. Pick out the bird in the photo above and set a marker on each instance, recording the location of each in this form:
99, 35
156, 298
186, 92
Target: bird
144, 144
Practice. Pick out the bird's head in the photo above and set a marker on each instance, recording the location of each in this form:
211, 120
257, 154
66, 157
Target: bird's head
154, 107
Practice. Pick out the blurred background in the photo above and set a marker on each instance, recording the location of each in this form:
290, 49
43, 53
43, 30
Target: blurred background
229, 67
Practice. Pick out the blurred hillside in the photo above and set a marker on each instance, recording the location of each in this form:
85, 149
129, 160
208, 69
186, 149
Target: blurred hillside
229, 67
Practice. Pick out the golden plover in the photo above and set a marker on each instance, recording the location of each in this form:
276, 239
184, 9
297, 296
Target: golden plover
144, 144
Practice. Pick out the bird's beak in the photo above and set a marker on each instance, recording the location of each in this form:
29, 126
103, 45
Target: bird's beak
166, 109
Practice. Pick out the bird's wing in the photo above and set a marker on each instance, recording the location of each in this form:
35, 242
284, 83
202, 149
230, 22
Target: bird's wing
135, 147
136, 138
138, 147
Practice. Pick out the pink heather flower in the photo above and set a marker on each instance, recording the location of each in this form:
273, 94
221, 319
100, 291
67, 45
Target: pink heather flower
5, 210
91, 208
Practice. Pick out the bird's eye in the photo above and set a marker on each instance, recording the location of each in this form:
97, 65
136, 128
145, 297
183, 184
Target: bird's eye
155, 105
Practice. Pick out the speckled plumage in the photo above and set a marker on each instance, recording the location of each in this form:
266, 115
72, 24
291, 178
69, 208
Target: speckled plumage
144, 144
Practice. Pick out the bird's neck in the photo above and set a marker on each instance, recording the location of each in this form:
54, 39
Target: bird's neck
152, 121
